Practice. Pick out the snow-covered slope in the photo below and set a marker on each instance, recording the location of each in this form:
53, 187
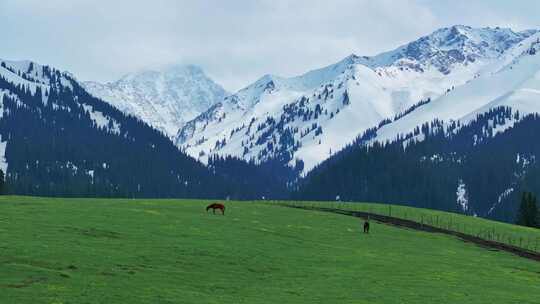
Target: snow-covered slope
513, 81
164, 98
310, 116
32, 76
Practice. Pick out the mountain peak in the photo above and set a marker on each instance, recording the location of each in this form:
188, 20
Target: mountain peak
459, 44
351, 58
164, 97
182, 68
266, 78
169, 71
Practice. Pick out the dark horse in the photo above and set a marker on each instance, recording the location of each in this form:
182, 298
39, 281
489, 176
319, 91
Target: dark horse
366, 226
215, 206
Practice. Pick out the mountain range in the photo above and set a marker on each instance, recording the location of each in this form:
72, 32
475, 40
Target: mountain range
309, 117
56, 139
425, 124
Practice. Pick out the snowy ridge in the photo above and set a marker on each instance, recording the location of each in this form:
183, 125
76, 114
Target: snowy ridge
32, 76
164, 98
311, 116
516, 85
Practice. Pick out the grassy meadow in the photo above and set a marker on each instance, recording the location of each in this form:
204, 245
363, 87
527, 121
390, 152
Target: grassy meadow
519, 236
171, 251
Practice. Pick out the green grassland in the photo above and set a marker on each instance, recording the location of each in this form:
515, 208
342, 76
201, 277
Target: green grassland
171, 251
519, 236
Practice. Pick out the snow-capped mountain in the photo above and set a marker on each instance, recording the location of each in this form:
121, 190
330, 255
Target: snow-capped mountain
512, 81
311, 116
57, 139
164, 98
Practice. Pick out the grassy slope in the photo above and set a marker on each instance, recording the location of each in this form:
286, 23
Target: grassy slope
525, 237
170, 251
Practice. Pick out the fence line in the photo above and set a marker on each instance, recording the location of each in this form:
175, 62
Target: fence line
531, 243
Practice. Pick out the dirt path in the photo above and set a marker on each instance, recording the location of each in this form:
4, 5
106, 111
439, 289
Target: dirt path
423, 227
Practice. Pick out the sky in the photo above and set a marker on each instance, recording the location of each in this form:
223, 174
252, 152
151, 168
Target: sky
235, 42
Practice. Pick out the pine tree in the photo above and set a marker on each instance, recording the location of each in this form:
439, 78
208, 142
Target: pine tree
528, 210
1, 181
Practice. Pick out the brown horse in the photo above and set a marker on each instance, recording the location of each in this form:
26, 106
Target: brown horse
215, 206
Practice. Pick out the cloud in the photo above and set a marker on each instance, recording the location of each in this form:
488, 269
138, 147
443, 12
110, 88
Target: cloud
234, 41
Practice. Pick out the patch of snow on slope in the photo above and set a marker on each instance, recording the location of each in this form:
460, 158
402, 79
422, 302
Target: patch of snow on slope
102, 121
91, 174
462, 197
3, 160
501, 197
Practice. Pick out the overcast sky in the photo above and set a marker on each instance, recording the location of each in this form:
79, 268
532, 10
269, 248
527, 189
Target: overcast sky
234, 41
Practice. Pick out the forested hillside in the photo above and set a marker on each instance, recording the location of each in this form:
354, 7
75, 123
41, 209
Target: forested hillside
61, 141
474, 169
